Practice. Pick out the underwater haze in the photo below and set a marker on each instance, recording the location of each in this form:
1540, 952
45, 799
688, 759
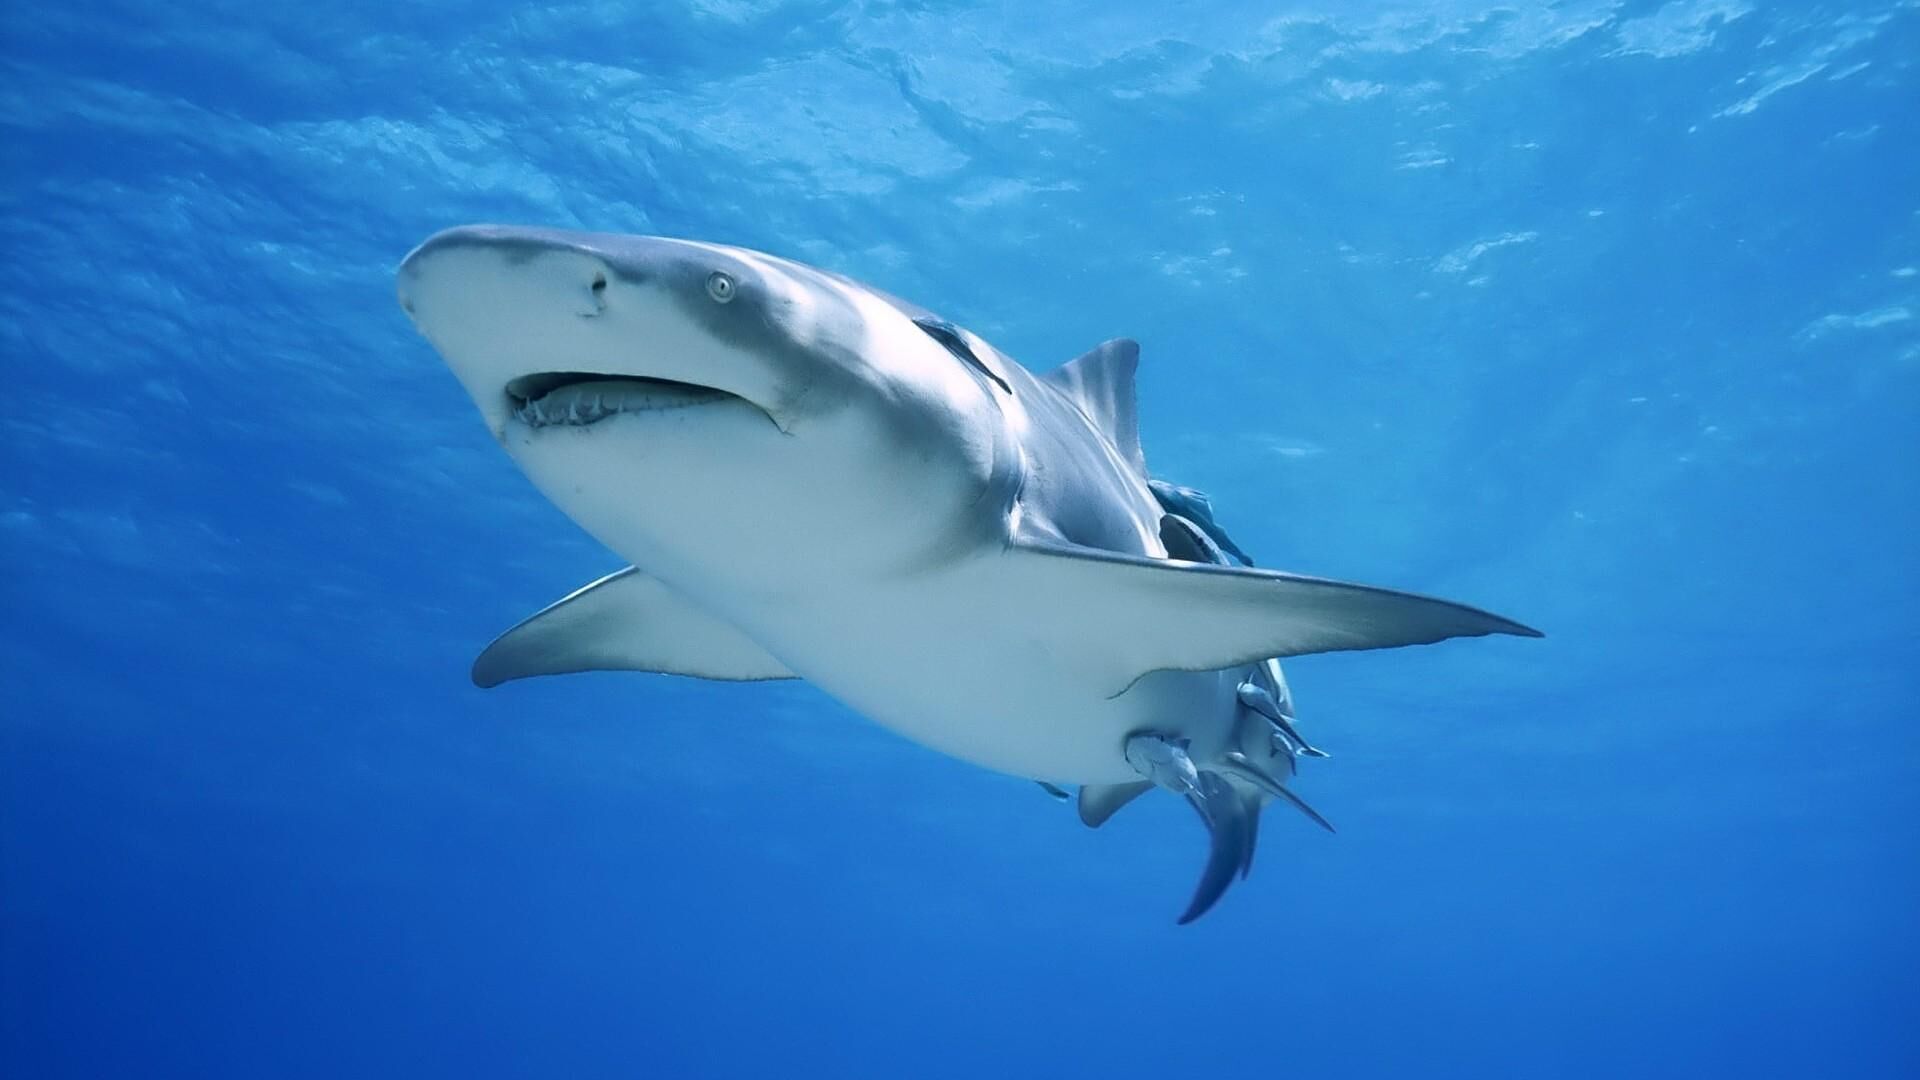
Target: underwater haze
1601, 315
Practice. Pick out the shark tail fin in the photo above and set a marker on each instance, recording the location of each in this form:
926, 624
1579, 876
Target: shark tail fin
1231, 822
1228, 793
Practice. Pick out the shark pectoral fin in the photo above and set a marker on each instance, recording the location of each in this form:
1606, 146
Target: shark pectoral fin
1098, 802
1132, 615
626, 621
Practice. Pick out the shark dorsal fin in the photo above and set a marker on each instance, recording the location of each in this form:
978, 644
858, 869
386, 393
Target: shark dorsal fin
1101, 383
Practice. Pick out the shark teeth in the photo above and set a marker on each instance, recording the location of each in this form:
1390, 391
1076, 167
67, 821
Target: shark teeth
591, 400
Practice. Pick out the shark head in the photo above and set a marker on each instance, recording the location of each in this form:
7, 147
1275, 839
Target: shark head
702, 405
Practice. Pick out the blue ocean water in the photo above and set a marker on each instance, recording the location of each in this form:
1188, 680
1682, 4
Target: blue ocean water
1598, 314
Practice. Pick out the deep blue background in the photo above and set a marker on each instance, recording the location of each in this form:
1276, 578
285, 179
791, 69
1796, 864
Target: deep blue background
1601, 315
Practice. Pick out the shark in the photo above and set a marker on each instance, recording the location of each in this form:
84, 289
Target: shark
810, 478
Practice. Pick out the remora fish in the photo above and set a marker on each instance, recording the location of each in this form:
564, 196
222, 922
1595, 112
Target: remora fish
814, 479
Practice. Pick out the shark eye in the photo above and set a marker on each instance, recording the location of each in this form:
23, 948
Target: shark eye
948, 335
720, 287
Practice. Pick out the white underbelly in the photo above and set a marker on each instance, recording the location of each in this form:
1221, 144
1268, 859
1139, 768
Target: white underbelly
973, 688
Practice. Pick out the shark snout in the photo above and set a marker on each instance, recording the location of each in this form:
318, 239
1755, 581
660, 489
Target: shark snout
509, 307
564, 260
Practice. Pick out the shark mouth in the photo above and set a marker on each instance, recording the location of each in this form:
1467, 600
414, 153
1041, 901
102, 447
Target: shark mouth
578, 398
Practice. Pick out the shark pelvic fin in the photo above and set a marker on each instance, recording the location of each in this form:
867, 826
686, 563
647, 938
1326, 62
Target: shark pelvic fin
1055, 791
1100, 382
1098, 802
626, 621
